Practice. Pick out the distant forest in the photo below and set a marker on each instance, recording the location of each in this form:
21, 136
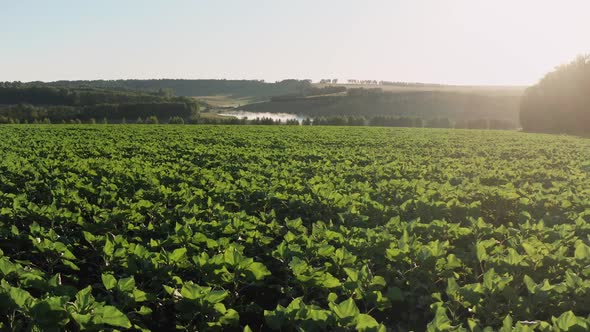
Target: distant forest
32, 103
196, 88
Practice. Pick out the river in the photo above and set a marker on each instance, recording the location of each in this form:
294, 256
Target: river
275, 116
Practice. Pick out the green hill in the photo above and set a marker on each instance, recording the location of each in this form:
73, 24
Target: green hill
369, 103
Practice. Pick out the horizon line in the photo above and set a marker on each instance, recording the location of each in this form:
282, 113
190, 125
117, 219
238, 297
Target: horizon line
317, 81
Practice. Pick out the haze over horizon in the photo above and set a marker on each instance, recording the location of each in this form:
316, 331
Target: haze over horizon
462, 42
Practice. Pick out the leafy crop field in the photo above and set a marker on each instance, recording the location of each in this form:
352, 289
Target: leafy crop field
293, 229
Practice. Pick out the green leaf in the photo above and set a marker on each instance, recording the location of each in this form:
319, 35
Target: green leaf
352, 274
231, 317
220, 308
298, 266
139, 295
111, 316
326, 250
177, 255
364, 322
84, 299
566, 320
488, 279
54, 281
109, 281
31, 280
109, 247
530, 284
529, 249
6, 267
582, 252
144, 311
216, 296
345, 309
332, 297
82, 319
452, 287
21, 297
441, 321
453, 262
378, 281
506, 324
126, 284
64, 251
513, 257
192, 291
329, 281
51, 312
70, 264
89, 237
481, 252
231, 256
319, 316
258, 270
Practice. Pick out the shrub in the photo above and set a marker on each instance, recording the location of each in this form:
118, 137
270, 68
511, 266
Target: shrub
151, 120
176, 120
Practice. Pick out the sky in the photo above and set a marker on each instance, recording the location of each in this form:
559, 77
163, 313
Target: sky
466, 42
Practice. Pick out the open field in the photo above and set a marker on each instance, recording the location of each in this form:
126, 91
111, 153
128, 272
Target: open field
292, 228
213, 116
227, 100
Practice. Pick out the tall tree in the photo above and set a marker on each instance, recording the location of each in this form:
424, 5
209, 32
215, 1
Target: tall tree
560, 102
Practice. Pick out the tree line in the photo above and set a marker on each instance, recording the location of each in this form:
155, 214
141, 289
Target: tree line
377, 121
113, 112
19, 93
194, 88
560, 102
149, 120
25, 102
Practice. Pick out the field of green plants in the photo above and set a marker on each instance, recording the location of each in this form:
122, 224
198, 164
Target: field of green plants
292, 228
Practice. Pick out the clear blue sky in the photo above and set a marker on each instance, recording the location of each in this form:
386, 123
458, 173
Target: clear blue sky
439, 41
